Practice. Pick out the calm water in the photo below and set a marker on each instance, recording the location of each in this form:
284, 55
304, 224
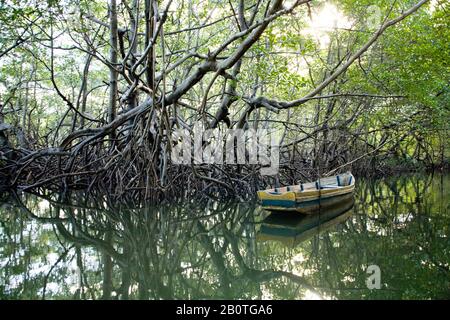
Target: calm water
231, 250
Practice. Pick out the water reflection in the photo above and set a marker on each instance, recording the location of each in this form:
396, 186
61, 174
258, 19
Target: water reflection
292, 228
86, 249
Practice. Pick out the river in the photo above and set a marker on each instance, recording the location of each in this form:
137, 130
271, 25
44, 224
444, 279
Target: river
390, 242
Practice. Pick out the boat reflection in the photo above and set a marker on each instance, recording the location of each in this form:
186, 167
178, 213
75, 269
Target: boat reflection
291, 228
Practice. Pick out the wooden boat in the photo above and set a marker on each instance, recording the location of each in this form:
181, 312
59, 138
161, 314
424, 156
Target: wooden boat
291, 229
307, 197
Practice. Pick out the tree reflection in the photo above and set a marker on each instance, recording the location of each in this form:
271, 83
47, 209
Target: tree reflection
75, 246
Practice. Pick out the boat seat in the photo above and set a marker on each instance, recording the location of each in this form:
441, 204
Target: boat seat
326, 186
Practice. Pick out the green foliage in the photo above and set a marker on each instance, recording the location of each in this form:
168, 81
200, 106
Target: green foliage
410, 60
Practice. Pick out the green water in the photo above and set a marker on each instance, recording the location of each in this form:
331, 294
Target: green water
87, 250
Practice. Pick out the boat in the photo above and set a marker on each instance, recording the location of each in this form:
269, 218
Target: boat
291, 228
308, 197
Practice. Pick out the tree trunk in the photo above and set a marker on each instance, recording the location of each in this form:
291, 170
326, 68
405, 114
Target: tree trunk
113, 75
